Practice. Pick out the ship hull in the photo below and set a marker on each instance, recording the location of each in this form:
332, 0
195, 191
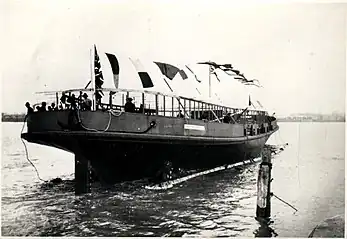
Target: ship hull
115, 158
157, 151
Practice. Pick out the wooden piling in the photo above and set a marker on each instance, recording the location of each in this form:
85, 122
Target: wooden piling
82, 175
264, 189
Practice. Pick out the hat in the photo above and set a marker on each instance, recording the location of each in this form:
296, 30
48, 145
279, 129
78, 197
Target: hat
130, 99
85, 95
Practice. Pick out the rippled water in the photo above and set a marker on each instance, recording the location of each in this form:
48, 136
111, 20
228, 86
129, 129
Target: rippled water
309, 174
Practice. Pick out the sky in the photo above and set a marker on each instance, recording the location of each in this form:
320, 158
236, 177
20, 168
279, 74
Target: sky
296, 50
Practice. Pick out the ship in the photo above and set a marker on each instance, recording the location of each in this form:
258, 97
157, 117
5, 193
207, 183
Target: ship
167, 136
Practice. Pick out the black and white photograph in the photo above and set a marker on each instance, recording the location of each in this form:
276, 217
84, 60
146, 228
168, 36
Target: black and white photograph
173, 118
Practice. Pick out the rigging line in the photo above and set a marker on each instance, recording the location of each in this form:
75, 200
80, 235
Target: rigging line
87, 84
280, 137
26, 152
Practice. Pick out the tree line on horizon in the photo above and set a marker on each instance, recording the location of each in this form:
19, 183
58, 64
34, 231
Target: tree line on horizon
12, 117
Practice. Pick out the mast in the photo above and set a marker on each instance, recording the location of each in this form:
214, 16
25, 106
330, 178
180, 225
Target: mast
209, 80
92, 75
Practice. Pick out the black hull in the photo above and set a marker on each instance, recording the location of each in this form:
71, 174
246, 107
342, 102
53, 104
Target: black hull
120, 157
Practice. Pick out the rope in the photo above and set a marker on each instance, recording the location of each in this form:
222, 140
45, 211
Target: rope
113, 113
271, 194
151, 125
110, 112
27, 155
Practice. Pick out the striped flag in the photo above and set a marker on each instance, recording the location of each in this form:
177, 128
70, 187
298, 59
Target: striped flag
115, 68
144, 76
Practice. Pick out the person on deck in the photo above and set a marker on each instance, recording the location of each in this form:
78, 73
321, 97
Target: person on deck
80, 100
87, 103
129, 106
141, 109
204, 116
30, 109
72, 101
54, 108
63, 99
42, 108
227, 118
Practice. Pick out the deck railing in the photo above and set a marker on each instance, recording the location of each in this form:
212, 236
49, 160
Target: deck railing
156, 103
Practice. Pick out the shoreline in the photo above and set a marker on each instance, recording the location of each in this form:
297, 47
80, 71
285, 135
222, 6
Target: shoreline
330, 227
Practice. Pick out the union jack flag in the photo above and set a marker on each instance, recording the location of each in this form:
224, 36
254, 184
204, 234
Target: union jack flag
99, 78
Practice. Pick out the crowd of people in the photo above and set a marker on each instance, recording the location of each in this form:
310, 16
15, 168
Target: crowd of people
82, 102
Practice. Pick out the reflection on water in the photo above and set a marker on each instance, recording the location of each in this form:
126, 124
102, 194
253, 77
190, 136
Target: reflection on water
217, 204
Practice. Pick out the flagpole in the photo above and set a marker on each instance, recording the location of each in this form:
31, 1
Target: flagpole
209, 81
92, 75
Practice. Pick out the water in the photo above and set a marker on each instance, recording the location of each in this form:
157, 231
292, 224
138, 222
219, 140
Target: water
309, 174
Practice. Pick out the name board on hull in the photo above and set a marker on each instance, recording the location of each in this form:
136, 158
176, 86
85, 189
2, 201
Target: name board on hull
194, 127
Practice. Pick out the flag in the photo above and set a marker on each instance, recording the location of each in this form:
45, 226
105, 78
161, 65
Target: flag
240, 78
213, 71
196, 78
235, 71
170, 71
229, 70
183, 74
99, 79
210, 63
214, 65
144, 76
167, 70
249, 101
115, 68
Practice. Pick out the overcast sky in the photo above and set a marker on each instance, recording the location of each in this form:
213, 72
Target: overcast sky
296, 50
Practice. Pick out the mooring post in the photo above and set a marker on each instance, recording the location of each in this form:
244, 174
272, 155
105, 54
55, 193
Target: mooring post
82, 175
264, 189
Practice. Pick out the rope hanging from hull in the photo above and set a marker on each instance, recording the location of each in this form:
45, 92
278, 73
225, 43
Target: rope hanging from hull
26, 152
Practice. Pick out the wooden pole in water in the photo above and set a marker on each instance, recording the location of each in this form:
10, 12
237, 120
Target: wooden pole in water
264, 189
82, 175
